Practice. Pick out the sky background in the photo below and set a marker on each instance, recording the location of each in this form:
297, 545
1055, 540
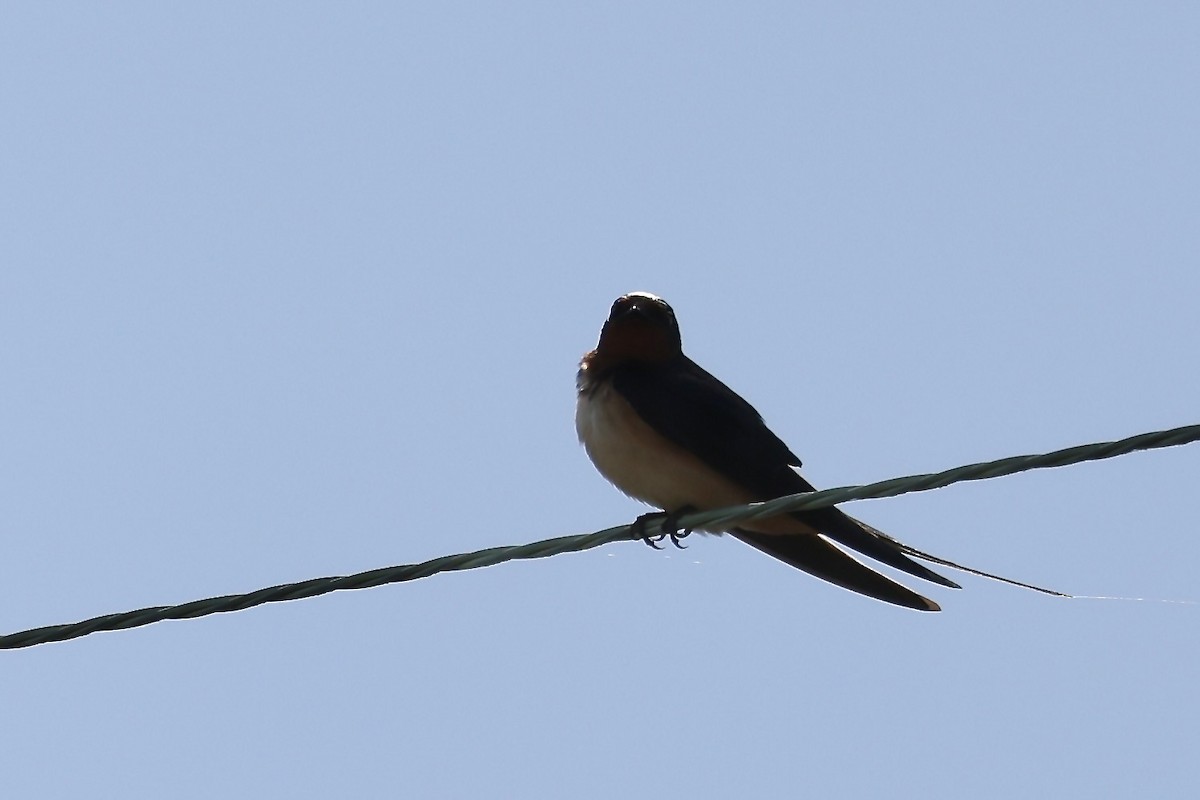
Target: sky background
293, 290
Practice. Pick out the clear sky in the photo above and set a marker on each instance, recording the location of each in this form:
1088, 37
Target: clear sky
296, 289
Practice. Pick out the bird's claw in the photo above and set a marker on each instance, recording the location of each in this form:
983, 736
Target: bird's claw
640, 529
668, 527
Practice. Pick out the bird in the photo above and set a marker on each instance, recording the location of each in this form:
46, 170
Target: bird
666, 432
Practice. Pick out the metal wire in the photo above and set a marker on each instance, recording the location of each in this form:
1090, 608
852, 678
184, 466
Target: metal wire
567, 544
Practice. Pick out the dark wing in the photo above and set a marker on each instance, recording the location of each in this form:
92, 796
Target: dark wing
696, 411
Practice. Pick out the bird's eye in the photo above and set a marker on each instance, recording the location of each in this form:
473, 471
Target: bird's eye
620, 307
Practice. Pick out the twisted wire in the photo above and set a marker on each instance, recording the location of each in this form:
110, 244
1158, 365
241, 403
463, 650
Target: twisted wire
566, 544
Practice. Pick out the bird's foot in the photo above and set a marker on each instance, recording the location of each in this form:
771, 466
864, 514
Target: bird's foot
640, 529
667, 525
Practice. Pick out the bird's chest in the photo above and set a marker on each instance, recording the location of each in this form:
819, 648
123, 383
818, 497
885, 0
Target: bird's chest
643, 463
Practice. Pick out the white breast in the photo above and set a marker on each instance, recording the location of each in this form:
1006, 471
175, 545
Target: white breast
644, 464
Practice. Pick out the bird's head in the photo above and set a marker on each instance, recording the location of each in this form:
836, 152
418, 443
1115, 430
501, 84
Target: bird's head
640, 328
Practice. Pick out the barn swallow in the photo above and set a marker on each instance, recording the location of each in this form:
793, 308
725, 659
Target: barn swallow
666, 432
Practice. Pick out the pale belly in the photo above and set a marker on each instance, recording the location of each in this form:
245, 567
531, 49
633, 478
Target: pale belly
645, 465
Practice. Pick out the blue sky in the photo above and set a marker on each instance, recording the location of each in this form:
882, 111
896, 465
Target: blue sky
294, 290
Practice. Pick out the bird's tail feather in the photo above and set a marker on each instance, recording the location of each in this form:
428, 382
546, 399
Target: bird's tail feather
858, 536
915, 553
824, 560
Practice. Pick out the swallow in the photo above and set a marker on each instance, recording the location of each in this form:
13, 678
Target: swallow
668, 433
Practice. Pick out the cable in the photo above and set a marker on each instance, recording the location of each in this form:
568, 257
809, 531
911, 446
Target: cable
567, 544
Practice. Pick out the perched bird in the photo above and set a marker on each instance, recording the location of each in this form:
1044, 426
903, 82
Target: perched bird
666, 432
